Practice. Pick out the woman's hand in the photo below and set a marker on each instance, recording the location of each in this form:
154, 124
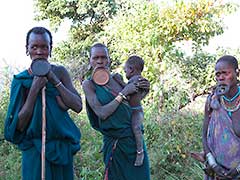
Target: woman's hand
39, 82
220, 172
52, 78
232, 173
143, 83
129, 89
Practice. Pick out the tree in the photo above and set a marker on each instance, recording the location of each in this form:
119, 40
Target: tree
87, 19
150, 30
154, 32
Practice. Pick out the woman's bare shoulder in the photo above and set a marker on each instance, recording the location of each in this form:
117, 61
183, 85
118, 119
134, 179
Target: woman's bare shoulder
58, 68
87, 83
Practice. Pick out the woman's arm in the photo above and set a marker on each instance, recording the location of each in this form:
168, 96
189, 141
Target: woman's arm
26, 111
103, 111
205, 125
69, 96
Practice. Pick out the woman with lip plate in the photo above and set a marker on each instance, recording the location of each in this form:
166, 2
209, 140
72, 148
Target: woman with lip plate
110, 114
23, 125
221, 127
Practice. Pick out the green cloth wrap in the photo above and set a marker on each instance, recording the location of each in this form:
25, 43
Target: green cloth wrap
116, 129
62, 135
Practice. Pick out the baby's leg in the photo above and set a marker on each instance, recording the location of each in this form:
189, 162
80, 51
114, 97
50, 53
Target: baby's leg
137, 118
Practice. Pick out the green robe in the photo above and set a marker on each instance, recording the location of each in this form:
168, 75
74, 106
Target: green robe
119, 147
62, 135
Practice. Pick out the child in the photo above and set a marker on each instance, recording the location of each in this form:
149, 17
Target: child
133, 69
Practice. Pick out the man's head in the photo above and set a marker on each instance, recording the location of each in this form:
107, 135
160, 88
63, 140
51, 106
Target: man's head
226, 70
39, 43
133, 66
99, 56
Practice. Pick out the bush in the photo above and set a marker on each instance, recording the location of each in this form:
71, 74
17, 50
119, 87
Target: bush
170, 138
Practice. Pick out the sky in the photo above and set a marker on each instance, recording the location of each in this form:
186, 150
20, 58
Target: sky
16, 19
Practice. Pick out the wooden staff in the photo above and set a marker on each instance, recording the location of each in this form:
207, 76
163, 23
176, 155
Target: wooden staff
40, 67
43, 131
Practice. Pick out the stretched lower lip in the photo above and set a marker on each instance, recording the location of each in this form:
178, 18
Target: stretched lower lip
100, 67
222, 89
40, 58
222, 84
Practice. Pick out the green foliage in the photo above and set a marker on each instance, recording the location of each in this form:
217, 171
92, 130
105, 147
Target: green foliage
80, 12
198, 71
88, 19
170, 138
153, 33
10, 160
148, 29
5, 93
170, 149
88, 162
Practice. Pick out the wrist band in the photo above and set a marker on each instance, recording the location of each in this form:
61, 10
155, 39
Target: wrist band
58, 84
119, 98
238, 168
122, 95
211, 160
140, 152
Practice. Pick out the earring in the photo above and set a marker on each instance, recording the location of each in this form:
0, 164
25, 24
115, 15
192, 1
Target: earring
27, 53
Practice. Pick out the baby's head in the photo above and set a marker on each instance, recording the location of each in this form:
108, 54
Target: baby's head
133, 66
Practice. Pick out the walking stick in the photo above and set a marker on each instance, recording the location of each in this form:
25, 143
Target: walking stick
40, 67
43, 131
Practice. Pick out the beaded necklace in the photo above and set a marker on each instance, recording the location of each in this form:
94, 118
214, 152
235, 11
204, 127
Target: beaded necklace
231, 105
234, 97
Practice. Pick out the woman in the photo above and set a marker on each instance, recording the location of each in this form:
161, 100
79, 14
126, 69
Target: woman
24, 118
110, 114
221, 128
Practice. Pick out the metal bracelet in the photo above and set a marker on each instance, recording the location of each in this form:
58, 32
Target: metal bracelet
119, 98
238, 169
123, 96
140, 152
211, 160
